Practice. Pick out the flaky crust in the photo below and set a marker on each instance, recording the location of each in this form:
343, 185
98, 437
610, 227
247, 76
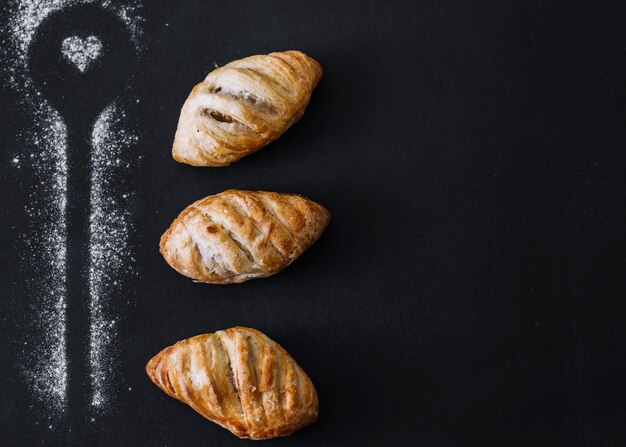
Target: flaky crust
240, 379
243, 106
239, 235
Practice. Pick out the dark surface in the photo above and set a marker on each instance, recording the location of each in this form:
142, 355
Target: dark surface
79, 98
470, 288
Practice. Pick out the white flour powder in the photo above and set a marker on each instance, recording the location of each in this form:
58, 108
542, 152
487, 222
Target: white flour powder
81, 52
43, 152
110, 254
43, 254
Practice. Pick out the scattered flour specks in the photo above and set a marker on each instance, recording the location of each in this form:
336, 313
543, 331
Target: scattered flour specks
44, 240
129, 12
81, 52
110, 254
42, 153
26, 15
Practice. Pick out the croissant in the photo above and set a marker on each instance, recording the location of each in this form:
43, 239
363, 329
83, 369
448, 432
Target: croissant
243, 106
237, 235
240, 379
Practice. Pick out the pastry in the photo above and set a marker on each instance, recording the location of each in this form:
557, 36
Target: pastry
242, 106
239, 235
240, 379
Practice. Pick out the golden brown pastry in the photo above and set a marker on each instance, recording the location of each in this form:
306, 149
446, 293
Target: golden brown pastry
239, 235
240, 379
243, 106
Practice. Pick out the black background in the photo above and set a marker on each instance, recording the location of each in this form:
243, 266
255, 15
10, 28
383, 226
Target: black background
470, 288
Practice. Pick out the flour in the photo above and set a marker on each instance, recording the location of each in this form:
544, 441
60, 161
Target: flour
26, 15
110, 254
44, 240
81, 52
42, 154
129, 12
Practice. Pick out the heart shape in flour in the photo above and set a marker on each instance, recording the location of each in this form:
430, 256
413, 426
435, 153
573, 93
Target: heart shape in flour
81, 52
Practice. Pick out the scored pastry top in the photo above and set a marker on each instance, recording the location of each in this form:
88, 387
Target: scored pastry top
239, 235
242, 106
240, 379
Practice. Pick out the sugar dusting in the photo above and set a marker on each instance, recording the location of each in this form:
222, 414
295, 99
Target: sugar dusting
110, 254
42, 152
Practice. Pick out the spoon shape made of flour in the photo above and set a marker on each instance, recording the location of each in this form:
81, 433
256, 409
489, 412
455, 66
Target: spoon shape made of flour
80, 60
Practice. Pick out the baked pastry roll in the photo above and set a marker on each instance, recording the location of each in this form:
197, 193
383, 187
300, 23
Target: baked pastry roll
242, 106
239, 235
240, 379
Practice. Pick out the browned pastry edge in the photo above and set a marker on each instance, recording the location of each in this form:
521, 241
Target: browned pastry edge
244, 105
264, 233
254, 388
